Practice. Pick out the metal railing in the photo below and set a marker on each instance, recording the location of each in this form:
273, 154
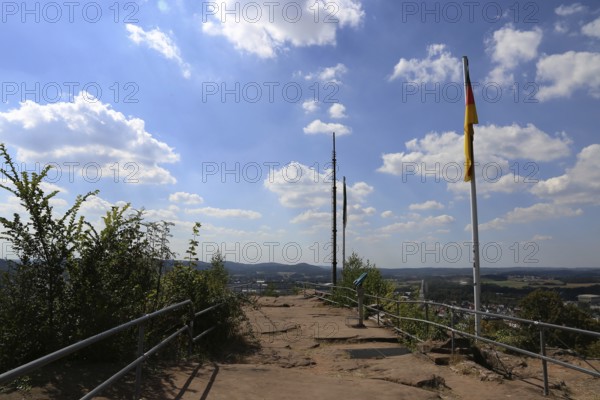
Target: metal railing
323, 292
141, 355
261, 288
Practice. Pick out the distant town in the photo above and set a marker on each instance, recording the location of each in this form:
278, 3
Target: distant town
502, 288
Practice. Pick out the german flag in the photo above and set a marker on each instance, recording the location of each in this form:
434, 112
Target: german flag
470, 119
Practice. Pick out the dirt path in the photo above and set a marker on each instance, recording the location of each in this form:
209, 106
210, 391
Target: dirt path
310, 350
306, 353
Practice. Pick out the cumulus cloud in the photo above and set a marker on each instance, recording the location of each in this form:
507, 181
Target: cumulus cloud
95, 207
561, 75
569, 9
337, 111
224, 213
329, 74
312, 216
300, 186
185, 198
418, 224
524, 215
310, 106
265, 30
387, 214
428, 205
318, 126
508, 48
160, 42
99, 141
561, 27
439, 157
580, 184
592, 29
438, 66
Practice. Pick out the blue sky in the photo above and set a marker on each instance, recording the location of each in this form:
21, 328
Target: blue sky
222, 112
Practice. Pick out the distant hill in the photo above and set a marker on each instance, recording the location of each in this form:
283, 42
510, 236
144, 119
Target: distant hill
278, 271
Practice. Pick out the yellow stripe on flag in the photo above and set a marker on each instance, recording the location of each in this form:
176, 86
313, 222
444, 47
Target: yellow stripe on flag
470, 119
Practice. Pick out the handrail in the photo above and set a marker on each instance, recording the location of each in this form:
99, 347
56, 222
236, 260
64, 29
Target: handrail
58, 354
142, 356
499, 316
130, 366
539, 324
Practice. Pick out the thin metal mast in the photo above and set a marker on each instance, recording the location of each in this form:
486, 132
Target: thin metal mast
334, 219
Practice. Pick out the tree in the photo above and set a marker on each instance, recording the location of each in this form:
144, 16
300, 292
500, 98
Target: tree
46, 246
115, 276
217, 275
547, 306
374, 284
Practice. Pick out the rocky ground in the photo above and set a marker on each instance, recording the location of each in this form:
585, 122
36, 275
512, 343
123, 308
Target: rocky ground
310, 350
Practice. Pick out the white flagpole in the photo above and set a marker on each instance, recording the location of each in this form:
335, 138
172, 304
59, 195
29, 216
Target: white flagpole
474, 226
345, 217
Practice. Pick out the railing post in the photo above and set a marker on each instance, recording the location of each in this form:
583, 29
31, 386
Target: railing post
544, 362
191, 334
361, 294
398, 311
138, 369
377, 301
427, 319
452, 327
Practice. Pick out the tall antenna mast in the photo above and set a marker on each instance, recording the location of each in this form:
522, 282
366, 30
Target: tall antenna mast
334, 221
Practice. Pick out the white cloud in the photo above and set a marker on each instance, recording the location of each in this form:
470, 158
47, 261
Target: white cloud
579, 184
318, 126
369, 210
185, 198
592, 29
440, 157
328, 75
357, 215
444, 153
570, 9
541, 238
421, 224
160, 42
96, 207
224, 213
509, 47
337, 111
387, 214
428, 205
163, 6
91, 134
312, 216
49, 187
438, 66
358, 191
163, 214
310, 106
265, 30
536, 212
300, 186
561, 27
565, 73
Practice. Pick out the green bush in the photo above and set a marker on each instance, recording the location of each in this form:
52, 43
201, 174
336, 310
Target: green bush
374, 284
72, 281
